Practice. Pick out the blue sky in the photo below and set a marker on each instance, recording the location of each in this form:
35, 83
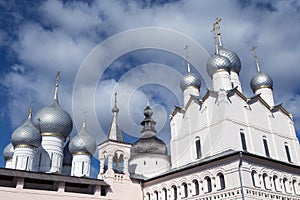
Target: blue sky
37, 38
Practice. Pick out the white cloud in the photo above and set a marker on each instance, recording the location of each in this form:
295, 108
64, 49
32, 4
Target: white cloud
67, 32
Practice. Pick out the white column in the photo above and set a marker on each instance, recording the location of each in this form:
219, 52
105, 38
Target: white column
187, 94
267, 95
52, 154
81, 165
235, 80
221, 80
23, 158
102, 162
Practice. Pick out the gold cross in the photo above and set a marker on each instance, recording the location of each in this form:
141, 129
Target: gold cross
186, 48
253, 49
57, 77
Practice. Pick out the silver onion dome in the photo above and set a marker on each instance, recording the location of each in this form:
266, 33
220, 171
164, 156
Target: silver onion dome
216, 63
149, 143
82, 142
67, 155
8, 151
190, 80
232, 57
261, 80
26, 134
53, 119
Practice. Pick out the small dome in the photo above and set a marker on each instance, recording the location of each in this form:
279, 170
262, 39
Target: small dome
26, 134
115, 109
67, 155
53, 119
232, 57
190, 80
217, 62
261, 80
151, 145
82, 142
8, 152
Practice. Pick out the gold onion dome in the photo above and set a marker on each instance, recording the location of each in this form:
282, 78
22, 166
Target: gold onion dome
27, 134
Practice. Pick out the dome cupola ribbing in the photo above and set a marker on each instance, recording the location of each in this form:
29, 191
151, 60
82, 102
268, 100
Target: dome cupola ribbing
27, 134
52, 119
82, 142
149, 143
8, 151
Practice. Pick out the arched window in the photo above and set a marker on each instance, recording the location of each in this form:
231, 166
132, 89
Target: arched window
221, 181
196, 187
148, 196
287, 151
185, 190
296, 187
265, 142
276, 183
165, 194
198, 147
208, 184
243, 140
266, 181
255, 179
156, 195
286, 185
174, 189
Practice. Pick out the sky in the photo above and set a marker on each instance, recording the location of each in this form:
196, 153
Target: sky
135, 48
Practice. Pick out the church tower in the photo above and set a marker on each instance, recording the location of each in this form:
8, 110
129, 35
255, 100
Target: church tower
26, 140
82, 147
114, 153
149, 154
55, 124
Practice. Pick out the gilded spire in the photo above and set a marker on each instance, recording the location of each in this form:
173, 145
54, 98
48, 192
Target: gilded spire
56, 85
187, 59
253, 49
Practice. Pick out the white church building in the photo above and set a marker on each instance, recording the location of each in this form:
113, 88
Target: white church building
223, 145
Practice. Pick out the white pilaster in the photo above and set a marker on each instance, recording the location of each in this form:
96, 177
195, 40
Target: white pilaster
235, 80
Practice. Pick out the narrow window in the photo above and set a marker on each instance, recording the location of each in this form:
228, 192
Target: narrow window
243, 140
16, 164
275, 183
287, 151
208, 182
285, 185
40, 159
196, 187
174, 192
82, 168
254, 176
165, 194
156, 195
26, 167
51, 156
185, 190
266, 147
198, 148
148, 196
222, 181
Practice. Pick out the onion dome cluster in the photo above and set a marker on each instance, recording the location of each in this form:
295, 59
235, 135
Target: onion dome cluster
261, 80
82, 142
190, 80
8, 151
53, 119
149, 143
26, 134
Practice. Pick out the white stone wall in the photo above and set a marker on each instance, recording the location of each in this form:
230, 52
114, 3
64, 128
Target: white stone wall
149, 165
23, 158
81, 165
